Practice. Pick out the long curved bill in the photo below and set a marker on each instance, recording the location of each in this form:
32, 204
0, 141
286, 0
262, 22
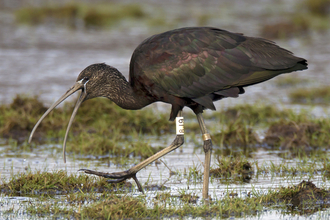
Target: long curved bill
77, 86
75, 110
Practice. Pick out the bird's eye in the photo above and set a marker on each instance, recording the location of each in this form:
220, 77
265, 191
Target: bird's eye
86, 78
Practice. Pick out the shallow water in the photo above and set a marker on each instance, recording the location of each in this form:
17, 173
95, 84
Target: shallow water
179, 161
45, 61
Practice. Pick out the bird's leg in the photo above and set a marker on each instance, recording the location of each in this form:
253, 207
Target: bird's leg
208, 150
131, 173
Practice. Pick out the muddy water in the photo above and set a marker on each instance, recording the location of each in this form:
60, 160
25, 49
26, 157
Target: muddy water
45, 61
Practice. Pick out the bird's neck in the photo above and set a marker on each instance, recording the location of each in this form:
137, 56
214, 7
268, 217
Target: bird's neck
122, 93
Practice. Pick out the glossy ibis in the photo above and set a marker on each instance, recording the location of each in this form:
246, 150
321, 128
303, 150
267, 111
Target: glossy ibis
190, 67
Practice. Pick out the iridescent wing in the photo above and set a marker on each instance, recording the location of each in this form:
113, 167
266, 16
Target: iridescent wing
196, 62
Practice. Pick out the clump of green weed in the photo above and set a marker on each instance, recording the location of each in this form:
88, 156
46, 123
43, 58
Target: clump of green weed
46, 209
109, 15
290, 81
99, 117
318, 7
237, 169
123, 207
102, 111
236, 135
64, 14
203, 19
113, 144
116, 207
310, 15
302, 195
74, 14
53, 183
189, 198
253, 114
21, 106
284, 169
18, 118
291, 135
311, 96
284, 29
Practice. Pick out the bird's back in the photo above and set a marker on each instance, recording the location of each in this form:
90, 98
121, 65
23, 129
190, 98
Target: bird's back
206, 64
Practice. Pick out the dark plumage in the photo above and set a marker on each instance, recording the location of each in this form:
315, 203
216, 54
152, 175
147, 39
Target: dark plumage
196, 66
184, 67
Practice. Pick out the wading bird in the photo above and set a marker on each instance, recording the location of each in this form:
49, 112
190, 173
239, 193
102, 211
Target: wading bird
190, 67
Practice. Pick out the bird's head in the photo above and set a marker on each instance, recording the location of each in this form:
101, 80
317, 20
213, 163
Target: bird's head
90, 82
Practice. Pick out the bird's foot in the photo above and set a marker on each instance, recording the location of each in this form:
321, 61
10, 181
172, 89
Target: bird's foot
116, 177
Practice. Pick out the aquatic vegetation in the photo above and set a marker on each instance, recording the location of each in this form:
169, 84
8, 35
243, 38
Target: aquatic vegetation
116, 207
302, 134
251, 114
285, 169
285, 29
236, 135
203, 19
116, 143
303, 195
279, 165
119, 132
232, 170
36, 15
55, 183
91, 197
318, 7
107, 15
77, 15
290, 81
18, 118
310, 15
189, 198
99, 116
319, 95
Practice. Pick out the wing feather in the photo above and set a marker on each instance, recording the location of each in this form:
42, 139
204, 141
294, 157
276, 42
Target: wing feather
196, 62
